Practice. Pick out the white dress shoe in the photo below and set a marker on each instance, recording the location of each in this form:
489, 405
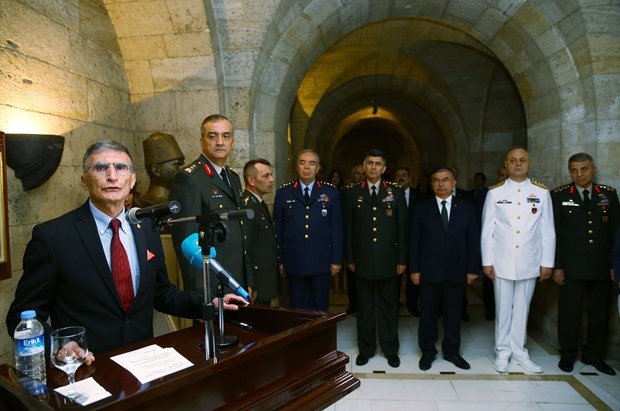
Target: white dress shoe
529, 365
501, 364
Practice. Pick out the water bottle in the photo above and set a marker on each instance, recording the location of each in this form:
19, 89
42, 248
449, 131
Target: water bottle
30, 347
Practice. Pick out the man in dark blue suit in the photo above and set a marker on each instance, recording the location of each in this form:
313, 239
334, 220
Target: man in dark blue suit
308, 218
444, 256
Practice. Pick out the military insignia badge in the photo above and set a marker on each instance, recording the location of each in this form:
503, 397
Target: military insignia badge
605, 218
534, 210
324, 212
388, 212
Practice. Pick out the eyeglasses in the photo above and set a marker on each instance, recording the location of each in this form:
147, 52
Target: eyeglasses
102, 169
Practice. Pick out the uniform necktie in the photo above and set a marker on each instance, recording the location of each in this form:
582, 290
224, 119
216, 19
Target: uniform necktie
225, 178
373, 196
444, 215
262, 203
586, 198
121, 273
307, 195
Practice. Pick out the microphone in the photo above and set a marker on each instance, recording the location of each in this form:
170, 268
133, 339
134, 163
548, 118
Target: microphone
135, 215
193, 253
233, 215
226, 277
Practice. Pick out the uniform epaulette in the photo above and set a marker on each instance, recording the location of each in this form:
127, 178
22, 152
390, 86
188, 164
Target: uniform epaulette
606, 187
249, 198
328, 184
350, 186
192, 168
288, 183
539, 184
562, 188
230, 170
501, 183
393, 184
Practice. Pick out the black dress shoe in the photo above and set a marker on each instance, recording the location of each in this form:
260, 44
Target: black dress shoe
464, 316
393, 361
426, 361
362, 359
566, 364
457, 360
601, 366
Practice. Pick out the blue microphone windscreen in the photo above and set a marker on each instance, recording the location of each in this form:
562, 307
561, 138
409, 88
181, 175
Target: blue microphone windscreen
192, 251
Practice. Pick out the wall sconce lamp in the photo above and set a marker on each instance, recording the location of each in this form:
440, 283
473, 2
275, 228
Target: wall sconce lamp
33, 157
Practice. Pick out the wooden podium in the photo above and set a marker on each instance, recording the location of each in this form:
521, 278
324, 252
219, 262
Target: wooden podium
289, 361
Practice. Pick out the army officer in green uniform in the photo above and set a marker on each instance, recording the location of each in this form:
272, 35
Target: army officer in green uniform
586, 217
375, 213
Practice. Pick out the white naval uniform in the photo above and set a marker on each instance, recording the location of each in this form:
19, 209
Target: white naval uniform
518, 237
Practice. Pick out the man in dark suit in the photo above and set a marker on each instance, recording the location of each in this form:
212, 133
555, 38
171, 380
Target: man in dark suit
207, 186
444, 256
69, 264
412, 291
376, 219
586, 218
308, 218
261, 236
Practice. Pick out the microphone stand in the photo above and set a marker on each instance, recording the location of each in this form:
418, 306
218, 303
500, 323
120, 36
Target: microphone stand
208, 232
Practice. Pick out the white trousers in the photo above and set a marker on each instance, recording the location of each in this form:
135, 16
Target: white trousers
512, 307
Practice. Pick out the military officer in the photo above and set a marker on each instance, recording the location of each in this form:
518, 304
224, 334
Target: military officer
518, 246
261, 236
308, 219
586, 219
376, 217
206, 186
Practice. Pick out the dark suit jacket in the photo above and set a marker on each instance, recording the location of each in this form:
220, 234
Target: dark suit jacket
199, 190
375, 234
262, 252
584, 237
439, 255
615, 256
309, 239
67, 278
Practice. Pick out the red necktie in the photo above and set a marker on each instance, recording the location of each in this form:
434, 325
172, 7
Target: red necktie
121, 273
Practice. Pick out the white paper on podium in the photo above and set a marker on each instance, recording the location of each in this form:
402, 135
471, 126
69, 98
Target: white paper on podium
90, 387
152, 362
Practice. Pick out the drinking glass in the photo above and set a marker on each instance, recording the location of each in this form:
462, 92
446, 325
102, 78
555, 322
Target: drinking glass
68, 352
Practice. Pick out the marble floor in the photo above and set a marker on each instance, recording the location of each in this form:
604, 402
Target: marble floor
445, 387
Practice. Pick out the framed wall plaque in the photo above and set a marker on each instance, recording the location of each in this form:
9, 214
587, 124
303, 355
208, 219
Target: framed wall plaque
5, 251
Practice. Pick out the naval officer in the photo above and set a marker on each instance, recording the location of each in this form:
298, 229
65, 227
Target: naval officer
518, 246
308, 218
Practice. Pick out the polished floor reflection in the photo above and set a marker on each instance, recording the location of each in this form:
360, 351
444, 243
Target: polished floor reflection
445, 387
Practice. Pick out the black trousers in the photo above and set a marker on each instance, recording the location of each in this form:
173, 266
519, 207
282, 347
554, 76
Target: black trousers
377, 307
447, 297
570, 303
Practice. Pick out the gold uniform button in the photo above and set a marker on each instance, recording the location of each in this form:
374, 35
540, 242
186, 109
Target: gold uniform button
306, 236
518, 217
374, 240
590, 222
374, 209
374, 229
221, 206
518, 231
519, 190
306, 226
590, 231
591, 241
307, 207
374, 219
517, 246
307, 217
519, 203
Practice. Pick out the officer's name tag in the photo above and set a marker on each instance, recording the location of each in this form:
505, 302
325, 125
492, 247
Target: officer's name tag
570, 204
504, 202
533, 200
290, 201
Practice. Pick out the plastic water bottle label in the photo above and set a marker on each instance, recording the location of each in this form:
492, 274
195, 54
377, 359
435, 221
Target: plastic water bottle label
29, 346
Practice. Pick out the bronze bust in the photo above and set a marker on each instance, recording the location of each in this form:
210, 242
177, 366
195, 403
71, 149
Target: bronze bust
162, 159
